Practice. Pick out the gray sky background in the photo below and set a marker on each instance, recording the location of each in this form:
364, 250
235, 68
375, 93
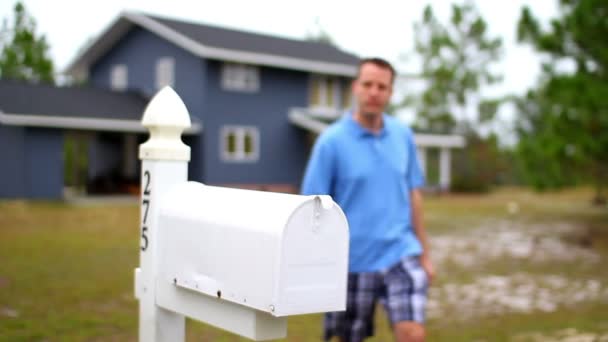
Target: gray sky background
380, 27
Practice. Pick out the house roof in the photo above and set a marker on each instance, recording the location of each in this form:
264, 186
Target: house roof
223, 44
44, 105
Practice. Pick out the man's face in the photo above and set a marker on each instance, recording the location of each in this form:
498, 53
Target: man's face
372, 89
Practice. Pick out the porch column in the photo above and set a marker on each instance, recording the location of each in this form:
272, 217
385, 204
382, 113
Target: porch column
444, 168
421, 151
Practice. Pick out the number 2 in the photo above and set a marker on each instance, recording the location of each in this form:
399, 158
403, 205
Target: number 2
146, 203
147, 188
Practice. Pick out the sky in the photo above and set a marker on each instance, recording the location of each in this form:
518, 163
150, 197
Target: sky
367, 28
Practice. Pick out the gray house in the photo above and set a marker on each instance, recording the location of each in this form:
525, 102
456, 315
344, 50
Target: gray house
239, 88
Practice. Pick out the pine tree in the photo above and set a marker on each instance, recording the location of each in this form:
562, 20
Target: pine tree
24, 55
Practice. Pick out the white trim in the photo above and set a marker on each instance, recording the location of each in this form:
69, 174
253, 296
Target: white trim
239, 155
421, 152
444, 168
239, 56
115, 125
439, 140
323, 112
303, 118
298, 118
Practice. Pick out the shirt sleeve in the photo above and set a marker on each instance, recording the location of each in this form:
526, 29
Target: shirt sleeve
319, 174
415, 177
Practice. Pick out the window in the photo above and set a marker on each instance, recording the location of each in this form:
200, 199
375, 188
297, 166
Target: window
240, 77
119, 77
330, 93
316, 83
165, 72
347, 98
240, 143
326, 92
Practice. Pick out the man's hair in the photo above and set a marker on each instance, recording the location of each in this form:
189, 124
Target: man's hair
379, 62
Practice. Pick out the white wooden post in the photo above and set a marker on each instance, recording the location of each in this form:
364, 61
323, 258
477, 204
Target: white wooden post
444, 169
421, 151
164, 163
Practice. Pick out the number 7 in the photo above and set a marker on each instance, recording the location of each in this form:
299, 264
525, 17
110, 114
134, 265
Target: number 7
147, 204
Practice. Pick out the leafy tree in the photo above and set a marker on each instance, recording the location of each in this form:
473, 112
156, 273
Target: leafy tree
563, 123
456, 62
24, 55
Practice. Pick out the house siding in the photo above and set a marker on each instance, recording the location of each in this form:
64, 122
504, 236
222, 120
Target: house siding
44, 163
283, 151
34, 163
12, 172
139, 50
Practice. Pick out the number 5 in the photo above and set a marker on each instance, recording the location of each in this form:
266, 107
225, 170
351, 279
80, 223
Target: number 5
144, 238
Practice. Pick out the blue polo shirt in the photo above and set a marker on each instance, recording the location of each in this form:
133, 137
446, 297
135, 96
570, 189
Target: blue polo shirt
370, 176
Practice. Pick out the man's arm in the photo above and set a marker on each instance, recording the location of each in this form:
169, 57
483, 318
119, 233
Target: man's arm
418, 222
415, 180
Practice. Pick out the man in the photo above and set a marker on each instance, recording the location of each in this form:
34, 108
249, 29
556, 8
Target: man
367, 162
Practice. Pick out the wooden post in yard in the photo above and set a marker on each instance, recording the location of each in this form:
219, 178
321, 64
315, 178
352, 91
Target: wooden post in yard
164, 163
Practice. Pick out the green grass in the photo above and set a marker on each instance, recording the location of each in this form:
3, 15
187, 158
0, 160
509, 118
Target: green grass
66, 271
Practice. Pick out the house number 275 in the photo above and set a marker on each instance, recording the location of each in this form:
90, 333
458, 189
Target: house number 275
145, 208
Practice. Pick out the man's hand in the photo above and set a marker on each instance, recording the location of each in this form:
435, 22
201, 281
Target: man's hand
427, 266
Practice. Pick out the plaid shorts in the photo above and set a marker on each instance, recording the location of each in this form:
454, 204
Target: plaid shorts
401, 289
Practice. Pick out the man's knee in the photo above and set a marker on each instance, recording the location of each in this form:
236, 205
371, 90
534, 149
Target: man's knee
409, 332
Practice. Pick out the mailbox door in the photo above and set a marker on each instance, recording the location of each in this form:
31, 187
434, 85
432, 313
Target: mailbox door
314, 262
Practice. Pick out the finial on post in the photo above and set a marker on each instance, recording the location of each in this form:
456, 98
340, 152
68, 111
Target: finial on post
166, 117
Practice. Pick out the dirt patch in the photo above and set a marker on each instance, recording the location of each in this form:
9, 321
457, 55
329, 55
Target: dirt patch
517, 293
480, 294
505, 239
569, 334
5, 311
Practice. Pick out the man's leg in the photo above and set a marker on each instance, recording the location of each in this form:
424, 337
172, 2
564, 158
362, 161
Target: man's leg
356, 323
406, 290
408, 331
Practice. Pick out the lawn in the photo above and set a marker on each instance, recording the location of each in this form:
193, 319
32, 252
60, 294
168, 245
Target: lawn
512, 266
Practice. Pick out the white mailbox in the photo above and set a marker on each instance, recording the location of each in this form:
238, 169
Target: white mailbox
278, 253
241, 260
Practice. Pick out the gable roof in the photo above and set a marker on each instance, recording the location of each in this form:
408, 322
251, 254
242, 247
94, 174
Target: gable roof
72, 107
223, 44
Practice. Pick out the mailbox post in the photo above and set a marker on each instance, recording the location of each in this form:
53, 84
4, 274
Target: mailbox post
164, 163
240, 260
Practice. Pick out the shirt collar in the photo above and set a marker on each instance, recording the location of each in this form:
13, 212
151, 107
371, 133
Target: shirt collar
355, 127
